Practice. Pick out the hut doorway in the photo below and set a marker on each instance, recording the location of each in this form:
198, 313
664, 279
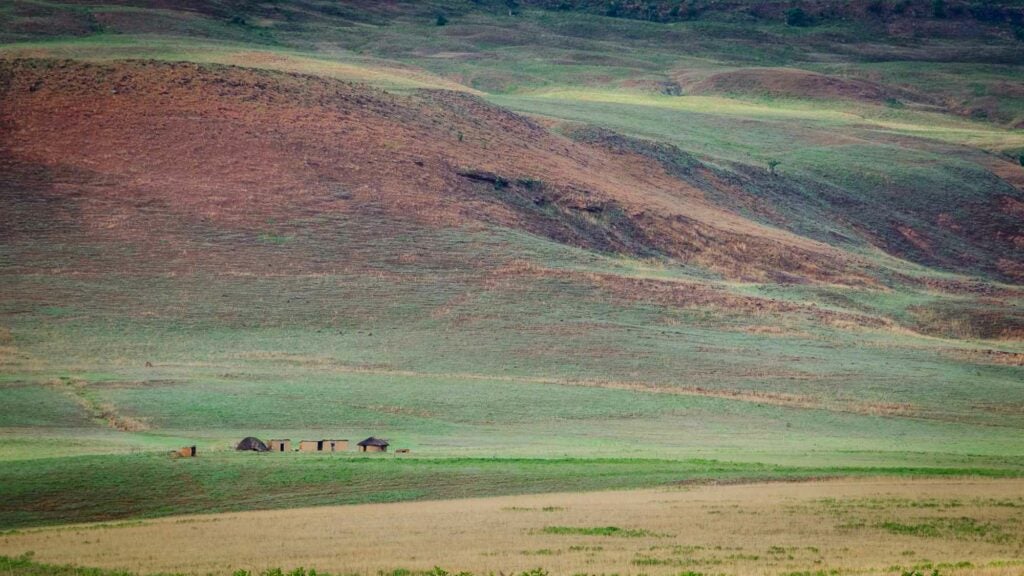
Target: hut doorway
320, 446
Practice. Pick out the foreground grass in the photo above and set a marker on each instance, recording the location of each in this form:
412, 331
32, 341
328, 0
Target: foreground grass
896, 526
115, 487
25, 566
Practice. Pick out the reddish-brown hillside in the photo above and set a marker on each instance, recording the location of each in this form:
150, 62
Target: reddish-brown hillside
145, 153
793, 83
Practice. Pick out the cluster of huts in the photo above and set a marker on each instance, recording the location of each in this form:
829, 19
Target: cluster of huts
252, 444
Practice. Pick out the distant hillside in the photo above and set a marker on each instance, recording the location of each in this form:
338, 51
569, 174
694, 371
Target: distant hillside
803, 13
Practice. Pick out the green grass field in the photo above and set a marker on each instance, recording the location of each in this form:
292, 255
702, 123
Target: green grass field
47, 491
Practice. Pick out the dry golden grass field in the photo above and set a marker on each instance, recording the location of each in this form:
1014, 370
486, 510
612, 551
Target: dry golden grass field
884, 526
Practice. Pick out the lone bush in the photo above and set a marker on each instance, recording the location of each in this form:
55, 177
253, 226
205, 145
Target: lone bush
797, 17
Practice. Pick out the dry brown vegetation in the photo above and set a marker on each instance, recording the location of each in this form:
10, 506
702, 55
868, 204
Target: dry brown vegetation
961, 527
989, 356
149, 153
793, 83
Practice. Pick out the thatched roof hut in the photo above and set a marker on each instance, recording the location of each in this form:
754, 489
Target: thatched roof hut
372, 444
252, 444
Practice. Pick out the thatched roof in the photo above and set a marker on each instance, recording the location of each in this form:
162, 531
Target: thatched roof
253, 444
371, 441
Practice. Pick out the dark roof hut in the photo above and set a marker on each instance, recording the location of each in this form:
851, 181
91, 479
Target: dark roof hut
372, 444
252, 444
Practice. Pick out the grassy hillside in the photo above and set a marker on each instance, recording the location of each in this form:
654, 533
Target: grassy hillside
720, 243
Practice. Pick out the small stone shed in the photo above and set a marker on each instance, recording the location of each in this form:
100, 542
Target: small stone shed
280, 445
372, 444
323, 445
187, 452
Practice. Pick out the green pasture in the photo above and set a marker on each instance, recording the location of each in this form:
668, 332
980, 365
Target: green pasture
116, 487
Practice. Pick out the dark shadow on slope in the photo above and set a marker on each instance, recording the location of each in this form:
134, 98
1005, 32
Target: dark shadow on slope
956, 216
565, 216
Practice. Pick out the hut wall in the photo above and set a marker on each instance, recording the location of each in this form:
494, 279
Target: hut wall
336, 445
374, 448
308, 446
280, 445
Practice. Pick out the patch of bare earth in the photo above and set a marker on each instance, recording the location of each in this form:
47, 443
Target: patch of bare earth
685, 294
795, 83
989, 356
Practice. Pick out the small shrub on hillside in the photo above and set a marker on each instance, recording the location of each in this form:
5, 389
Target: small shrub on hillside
939, 8
797, 17
1021, 159
986, 12
441, 20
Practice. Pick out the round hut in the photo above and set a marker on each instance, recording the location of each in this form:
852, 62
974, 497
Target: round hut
372, 444
252, 444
